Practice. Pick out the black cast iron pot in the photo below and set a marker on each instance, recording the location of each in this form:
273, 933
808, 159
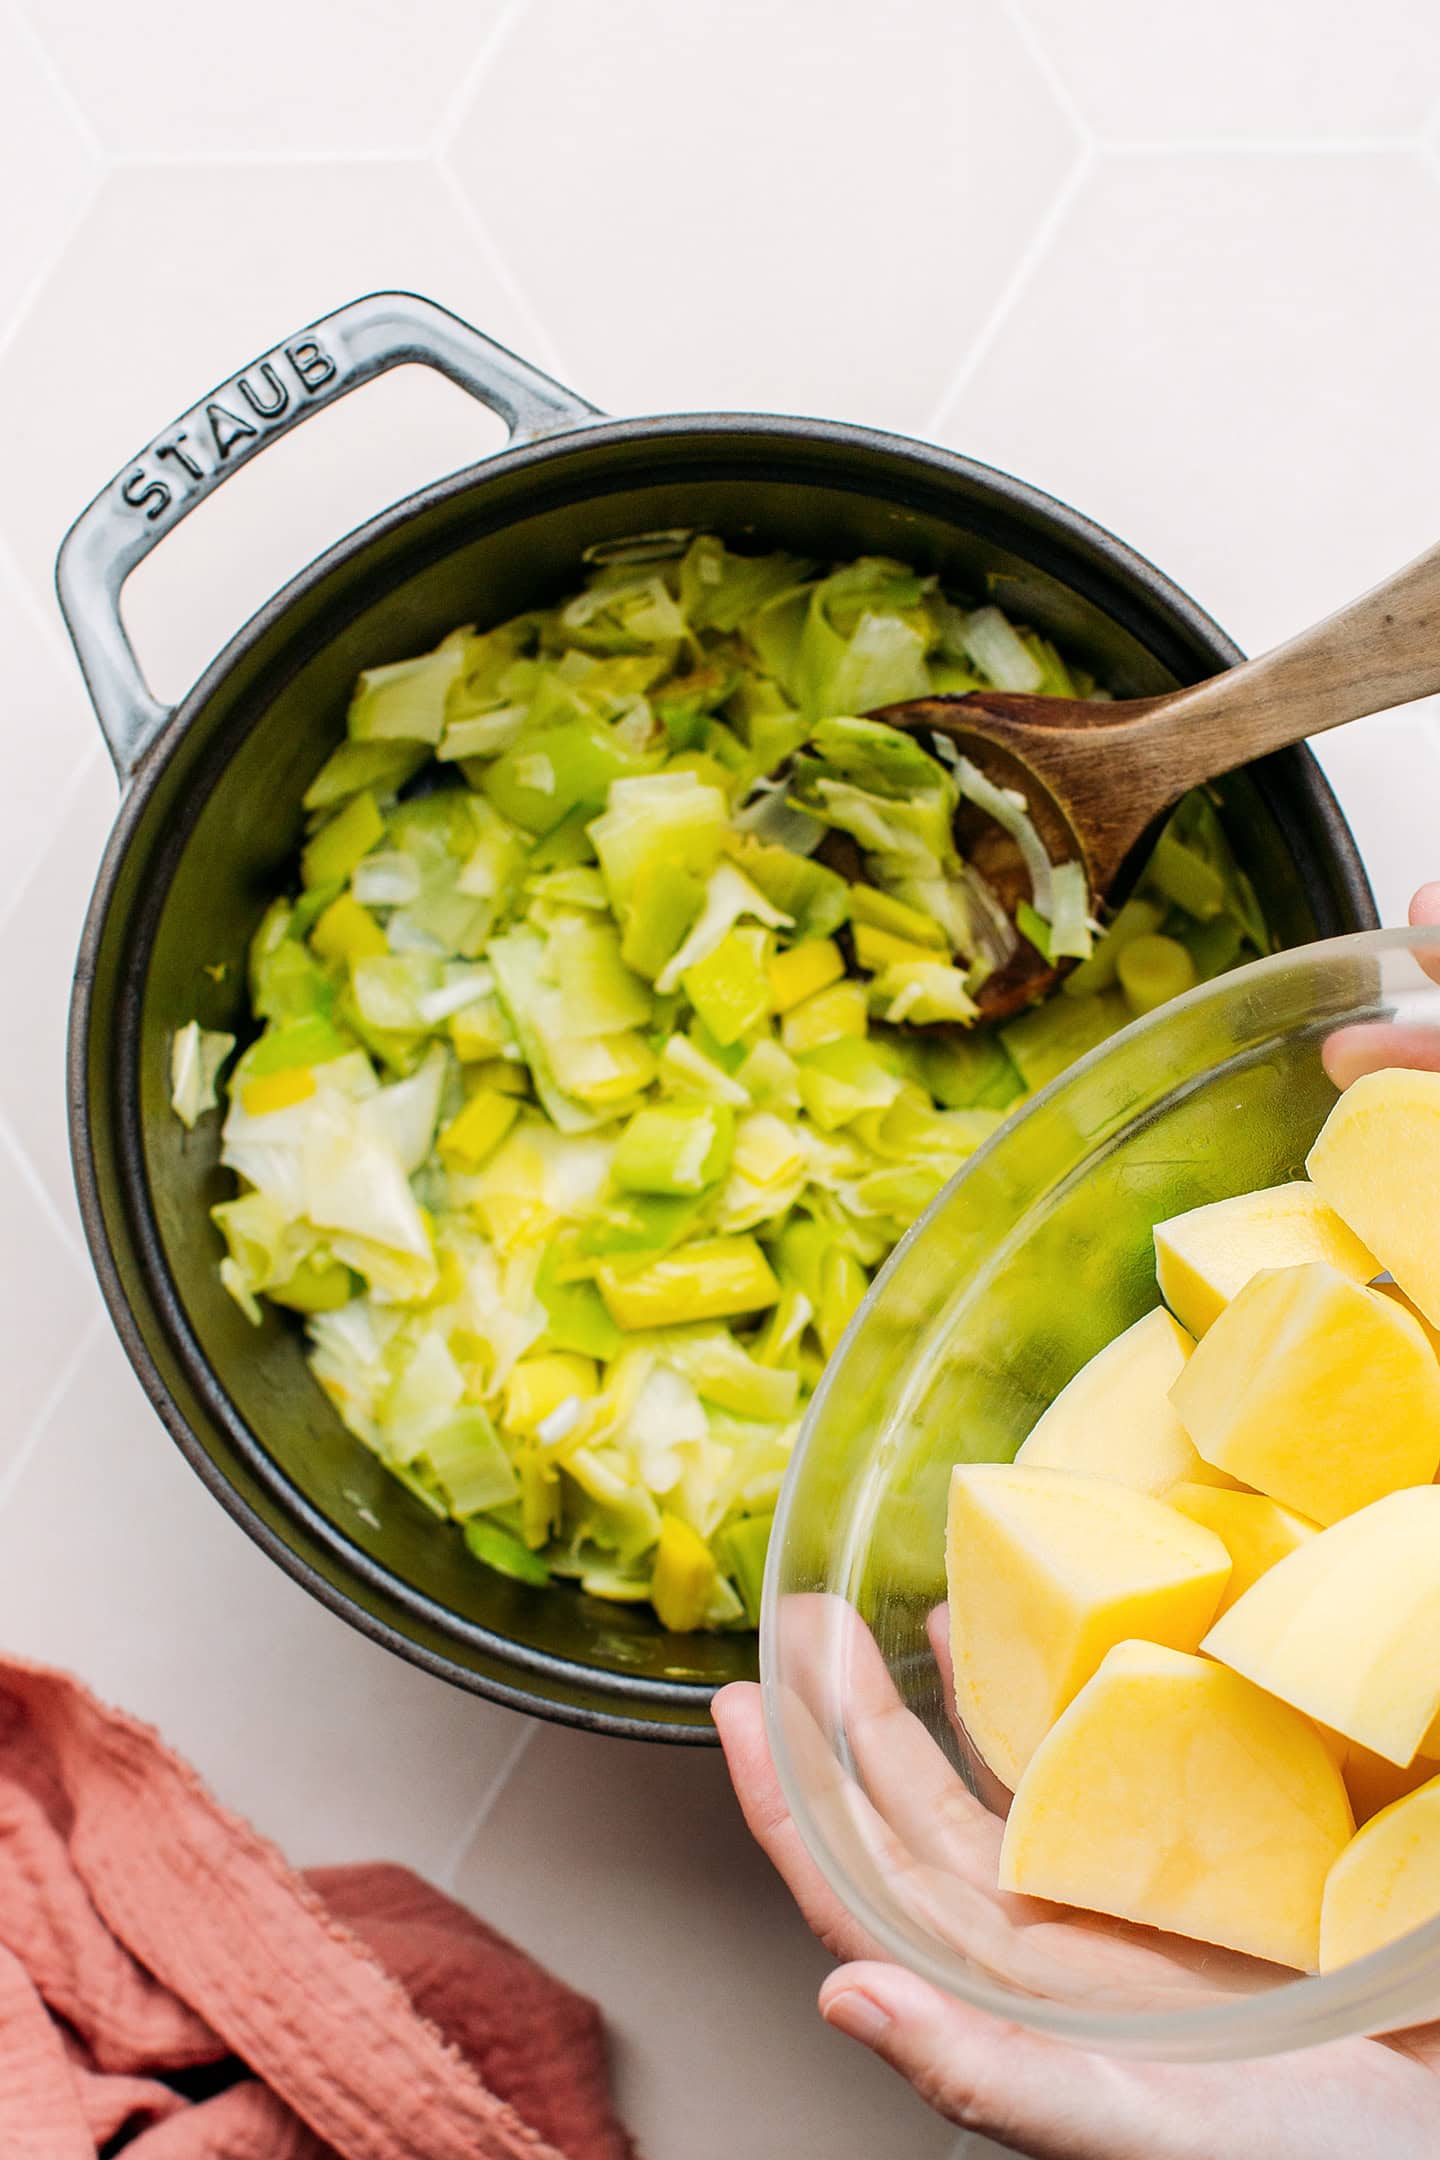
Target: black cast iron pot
210, 821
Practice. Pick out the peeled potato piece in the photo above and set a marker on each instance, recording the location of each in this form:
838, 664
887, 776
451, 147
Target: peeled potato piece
1347, 1628
1206, 1256
1386, 1882
1315, 1390
1377, 1163
1115, 1418
1047, 1569
1174, 1793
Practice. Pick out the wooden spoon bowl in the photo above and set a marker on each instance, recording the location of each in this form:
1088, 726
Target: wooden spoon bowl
1098, 776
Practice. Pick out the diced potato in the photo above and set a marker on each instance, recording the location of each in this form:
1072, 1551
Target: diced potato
1175, 1794
1115, 1418
1202, 1258
1377, 1163
1255, 1531
1386, 1882
1316, 1391
1047, 1570
1347, 1628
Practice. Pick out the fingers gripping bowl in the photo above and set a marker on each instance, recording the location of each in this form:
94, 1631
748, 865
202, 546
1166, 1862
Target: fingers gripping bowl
212, 822
1038, 1255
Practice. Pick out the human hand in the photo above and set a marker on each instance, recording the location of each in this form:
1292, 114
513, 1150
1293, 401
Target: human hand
1036, 2095
1050, 2100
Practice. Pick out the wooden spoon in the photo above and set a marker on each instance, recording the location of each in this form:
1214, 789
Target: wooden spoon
1097, 776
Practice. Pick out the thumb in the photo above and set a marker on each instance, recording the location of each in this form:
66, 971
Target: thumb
1036, 2096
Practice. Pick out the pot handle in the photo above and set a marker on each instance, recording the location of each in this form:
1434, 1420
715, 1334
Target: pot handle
233, 424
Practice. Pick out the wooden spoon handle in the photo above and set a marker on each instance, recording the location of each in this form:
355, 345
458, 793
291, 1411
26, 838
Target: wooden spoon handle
1381, 650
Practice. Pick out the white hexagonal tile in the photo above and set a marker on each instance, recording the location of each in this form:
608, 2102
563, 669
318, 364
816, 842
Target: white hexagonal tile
155, 78
45, 1299
1244, 378
1217, 69
651, 1897
265, 249
38, 940
807, 208
116, 1561
51, 737
47, 167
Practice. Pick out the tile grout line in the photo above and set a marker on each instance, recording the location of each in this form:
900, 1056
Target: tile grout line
54, 74
509, 1765
44, 1199
39, 1425
1027, 263
140, 160
49, 622
545, 354
484, 59
10, 906
11, 327
1308, 146
1055, 82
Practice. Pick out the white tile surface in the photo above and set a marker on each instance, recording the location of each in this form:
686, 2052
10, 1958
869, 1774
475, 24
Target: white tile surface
328, 1743
153, 78
945, 218
632, 1829
1318, 71
47, 165
806, 208
1242, 382
229, 259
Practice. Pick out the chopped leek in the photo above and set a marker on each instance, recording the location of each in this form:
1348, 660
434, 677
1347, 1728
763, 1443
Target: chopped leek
1152, 970
196, 1056
623, 1018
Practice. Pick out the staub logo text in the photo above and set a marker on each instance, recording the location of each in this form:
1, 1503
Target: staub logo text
241, 412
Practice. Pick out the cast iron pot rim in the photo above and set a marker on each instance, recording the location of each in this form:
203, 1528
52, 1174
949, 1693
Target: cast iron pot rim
1081, 535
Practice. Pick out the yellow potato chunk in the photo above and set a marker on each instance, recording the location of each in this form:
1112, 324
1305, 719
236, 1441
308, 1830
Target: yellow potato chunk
1115, 1418
1377, 1163
1316, 1391
1047, 1570
1203, 1258
1386, 1882
1255, 1530
1173, 1793
1347, 1628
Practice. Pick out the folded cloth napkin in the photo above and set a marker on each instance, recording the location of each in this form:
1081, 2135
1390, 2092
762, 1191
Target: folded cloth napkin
171, 1990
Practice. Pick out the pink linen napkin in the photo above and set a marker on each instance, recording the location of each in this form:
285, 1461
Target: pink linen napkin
171, 1990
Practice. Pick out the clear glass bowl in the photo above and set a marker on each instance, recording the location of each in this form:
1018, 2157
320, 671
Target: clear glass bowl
1034, 1257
